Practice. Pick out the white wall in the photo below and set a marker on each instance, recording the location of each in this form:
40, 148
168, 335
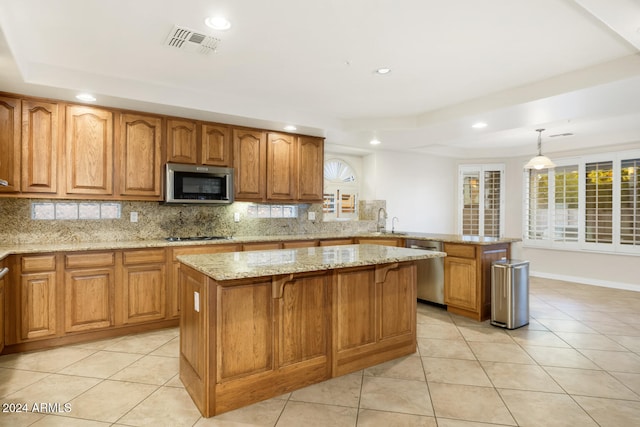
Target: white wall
419, 189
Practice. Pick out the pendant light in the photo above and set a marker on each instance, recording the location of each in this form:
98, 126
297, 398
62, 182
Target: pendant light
540, 161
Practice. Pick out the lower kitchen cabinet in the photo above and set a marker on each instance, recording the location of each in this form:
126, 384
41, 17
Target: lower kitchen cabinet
467, 278
142, 290
89, 281
3, 280
36, 299
384, 241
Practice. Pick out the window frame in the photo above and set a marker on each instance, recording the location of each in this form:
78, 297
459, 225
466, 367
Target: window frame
615, 246
481, 169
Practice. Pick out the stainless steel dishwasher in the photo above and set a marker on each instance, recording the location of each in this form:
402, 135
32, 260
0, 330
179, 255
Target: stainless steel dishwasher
430, 272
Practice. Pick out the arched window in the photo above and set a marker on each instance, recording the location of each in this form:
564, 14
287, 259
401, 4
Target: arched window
340, 191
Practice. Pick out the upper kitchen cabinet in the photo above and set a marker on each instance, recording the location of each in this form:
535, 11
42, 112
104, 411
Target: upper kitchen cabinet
89, 151
140, 156
310, 169
250, 164
216, 145
198, 143
10, 144
182, 141
281, 167
40, 142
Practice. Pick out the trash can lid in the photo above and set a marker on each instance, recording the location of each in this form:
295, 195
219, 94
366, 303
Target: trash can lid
509, 262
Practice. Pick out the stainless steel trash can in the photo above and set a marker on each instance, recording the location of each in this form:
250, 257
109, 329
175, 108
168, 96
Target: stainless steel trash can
510, 293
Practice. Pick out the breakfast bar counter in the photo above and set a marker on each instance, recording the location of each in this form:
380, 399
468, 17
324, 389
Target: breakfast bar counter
254, 325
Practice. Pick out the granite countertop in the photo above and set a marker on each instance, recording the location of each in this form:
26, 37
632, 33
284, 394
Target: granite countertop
242, 265
161, 243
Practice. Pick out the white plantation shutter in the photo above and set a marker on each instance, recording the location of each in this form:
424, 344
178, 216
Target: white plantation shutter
565, 207
630, 202
599, 202
481, 200
537, 205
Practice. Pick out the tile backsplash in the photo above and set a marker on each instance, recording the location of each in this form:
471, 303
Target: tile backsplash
155, 221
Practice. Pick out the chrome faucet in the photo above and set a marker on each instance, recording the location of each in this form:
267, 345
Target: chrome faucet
381, 227
393, 223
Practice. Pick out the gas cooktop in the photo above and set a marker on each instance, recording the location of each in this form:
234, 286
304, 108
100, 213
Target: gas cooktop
184, 239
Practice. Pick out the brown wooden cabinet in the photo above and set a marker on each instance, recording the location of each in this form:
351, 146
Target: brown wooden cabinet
216, 145
10, 117
336, 242
89, 151
374, 315
467, 277
37, 298
282, 167
139, 154
250, 163
310, 169
182, 141
3, 280
299, 244
142, 292
89, 281
40, 144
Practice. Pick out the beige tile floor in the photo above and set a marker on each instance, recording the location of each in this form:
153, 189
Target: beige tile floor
576, 364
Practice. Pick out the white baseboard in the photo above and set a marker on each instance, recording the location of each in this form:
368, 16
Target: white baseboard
587, 281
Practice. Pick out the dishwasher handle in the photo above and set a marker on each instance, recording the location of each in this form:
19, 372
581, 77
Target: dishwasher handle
4, 272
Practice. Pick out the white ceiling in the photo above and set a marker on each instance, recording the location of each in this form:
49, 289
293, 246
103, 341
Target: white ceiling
563, 65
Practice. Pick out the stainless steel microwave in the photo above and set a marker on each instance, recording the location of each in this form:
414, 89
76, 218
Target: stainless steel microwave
198, 184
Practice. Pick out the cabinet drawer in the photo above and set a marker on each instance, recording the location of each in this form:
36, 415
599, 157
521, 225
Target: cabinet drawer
92, 259
145, 256
335, 242
38, 263
460, 251
207, 249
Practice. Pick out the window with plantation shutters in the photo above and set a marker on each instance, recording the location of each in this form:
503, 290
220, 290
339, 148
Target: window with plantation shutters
340, 191
591, 203
481, 200
630, 202
565, 204
537, 205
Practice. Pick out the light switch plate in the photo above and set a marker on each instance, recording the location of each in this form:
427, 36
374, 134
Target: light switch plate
236, 216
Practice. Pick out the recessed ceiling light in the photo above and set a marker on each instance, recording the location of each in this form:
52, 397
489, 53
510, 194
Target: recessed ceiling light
87, 97
290, 128
374, 141
383, 71
479, 125
218, 23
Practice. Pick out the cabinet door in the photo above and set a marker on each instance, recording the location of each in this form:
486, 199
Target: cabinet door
182, 146
245, 329
10, 144
89, 150
40, 141
139, 152
355, 304
380, 241
310, 169
216, 145
281, 167
88, 299
249, 161
37, 315
460, 283
303, 319
397, 291
143, 286
2, 314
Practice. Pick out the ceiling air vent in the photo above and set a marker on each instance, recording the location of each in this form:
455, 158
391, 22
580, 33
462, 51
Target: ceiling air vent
189, 40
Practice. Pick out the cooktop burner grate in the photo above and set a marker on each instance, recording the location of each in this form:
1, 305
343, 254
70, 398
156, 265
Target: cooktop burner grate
184, 239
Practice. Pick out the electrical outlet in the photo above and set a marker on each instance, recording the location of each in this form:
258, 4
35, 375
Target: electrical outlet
311, 216
133, 217
196, 301
236, 217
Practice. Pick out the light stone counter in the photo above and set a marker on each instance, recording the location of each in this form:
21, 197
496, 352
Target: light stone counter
241, 265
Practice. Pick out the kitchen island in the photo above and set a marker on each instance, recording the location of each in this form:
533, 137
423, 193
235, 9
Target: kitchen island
255, 325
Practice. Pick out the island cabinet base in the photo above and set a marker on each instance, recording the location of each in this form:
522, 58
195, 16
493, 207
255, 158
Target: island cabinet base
246, 340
